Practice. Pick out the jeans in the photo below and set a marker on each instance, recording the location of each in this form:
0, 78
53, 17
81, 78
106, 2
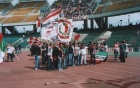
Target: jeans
70, 59
43, 58
115, 56
49, 63
79, 60
66, 61
59, 63
36, 61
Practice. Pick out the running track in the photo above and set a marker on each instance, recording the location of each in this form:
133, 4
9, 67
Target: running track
110, 74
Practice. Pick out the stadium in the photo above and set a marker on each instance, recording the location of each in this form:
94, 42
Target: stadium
26, 23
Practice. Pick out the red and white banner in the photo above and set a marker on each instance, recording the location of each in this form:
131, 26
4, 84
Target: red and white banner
52, 16
65, 29
32, 40
78, 37
50, 33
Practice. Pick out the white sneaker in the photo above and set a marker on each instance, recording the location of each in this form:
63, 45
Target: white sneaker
35, 68
59, 69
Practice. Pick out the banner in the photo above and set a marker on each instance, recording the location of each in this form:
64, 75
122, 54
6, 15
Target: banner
50, 33
65, 29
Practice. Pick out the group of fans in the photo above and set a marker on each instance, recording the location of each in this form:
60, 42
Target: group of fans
62, 55
75, 10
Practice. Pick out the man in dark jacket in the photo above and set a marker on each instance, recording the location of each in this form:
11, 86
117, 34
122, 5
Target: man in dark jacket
122, 52
55, 56
36, 53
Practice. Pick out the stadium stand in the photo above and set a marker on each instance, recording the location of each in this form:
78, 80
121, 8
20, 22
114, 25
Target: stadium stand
98, 10
75, 10
23, 11
122, 5
31, 18
3, 6
1, 19
14, 19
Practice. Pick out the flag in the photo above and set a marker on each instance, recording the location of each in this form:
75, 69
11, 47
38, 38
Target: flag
32, 40
106, 35
78, 37
2, 54
52, 16
65, 29
50, 33
1, 36
38, 22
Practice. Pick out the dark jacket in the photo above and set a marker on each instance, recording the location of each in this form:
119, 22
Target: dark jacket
36, 50
55, 52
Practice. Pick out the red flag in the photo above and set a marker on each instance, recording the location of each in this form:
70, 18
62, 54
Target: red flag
38, 24
1, 36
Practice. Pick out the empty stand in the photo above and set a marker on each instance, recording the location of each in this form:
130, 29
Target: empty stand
14, 19
31, 18
23, 11
1, 19
122, 5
